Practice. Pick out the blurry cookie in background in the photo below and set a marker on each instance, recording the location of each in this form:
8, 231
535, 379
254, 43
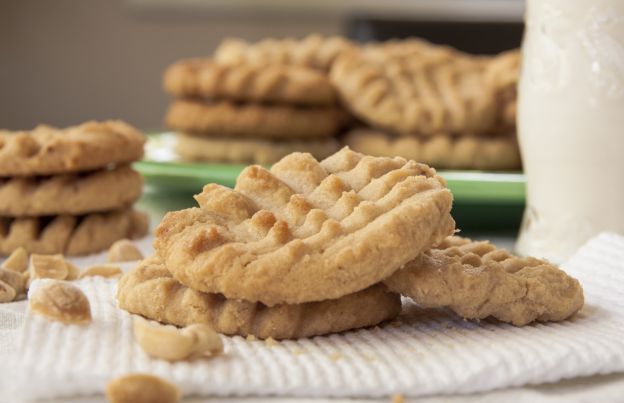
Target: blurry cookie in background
244, 82
502, 74
243, 112
456, 110
225, 119
414, 88
259, 151
441, 150
314, 51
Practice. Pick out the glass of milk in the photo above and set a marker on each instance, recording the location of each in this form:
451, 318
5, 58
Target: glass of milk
571, 124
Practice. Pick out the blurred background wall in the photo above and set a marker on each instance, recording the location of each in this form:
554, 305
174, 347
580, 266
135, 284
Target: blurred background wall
66, 61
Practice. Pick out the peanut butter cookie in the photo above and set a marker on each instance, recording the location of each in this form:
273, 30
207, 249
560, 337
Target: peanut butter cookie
71, 193
307, 230
503, 73
476, 280
245, 82
197, 148
226, 119
423, 94
70, 235
48, 150
314, 51
150, 291
441, 151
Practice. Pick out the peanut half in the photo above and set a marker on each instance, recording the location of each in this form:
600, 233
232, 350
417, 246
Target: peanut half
17, 261
172, 344
205, 340
48, 266
61, 301
14, 279
7, 293
141, 388
72, 271
124, 250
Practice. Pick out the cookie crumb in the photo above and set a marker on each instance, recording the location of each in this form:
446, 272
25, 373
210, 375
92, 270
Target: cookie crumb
398, 398
270, 342
251, 337
298, 351
72, 271
369, 358
335, 357
123, 250
17, 261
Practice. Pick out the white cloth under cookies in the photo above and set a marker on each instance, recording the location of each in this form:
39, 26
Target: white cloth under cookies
429, 352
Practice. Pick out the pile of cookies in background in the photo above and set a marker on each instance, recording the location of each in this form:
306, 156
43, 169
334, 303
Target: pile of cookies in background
70, 191
255, 102
311, 248
233, 109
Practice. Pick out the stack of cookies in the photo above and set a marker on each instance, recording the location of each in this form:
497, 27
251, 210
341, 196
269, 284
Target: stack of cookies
69, 190
236, 109
310, 248
430, 103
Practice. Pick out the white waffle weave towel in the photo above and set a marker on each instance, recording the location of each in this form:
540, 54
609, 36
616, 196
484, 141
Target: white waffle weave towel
428, 352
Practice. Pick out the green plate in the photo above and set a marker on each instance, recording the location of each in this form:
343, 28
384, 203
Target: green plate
481, 199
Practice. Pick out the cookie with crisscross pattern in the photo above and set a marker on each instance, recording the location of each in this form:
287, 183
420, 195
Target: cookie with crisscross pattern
313, 51
416, 93
149, 290
246, 82
226, 119
244, 150
71, 235
307, 230
71, 193
477, 280
47, 150
442, 150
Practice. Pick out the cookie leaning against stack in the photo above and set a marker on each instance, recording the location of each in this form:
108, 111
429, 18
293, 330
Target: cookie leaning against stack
296, 251
238, 111
69, 190
476, 280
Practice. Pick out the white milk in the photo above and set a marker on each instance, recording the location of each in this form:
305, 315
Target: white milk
571, 124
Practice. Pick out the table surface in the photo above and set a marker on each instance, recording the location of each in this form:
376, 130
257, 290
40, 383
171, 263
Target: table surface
606, 388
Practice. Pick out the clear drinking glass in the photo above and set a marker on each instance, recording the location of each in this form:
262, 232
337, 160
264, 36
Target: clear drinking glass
571, 124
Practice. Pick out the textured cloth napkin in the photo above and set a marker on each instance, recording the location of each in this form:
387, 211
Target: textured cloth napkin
425, 352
